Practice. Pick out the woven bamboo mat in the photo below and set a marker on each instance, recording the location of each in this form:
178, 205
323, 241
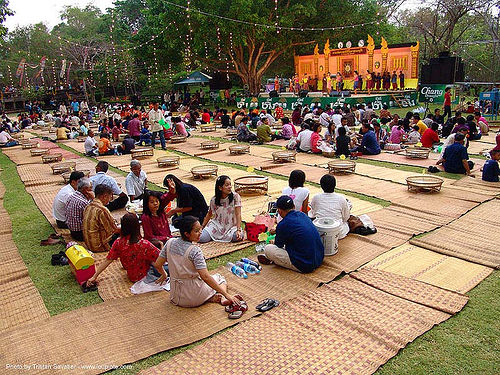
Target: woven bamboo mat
128, 327
20, 301
412, 290
477, 185
37, 174
479, 147
432, 268
346, 327
473, 237
113, 282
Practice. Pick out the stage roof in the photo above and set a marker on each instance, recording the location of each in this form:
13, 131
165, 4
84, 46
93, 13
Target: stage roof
194, 78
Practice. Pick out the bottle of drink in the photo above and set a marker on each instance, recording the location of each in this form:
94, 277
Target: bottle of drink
248, 267
238, 271
250, 261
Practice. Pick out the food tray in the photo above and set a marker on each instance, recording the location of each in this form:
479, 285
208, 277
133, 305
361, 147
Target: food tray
66, 175
239, 149
67, 166
168, 161
51, 158
251, 185
417, 152
330, 154
178, 139
207, 128
424, 183
142, 152
204, 171
39, 151
209, 145
284, 156
341, 166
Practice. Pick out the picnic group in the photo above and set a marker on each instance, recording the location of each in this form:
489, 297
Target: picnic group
162, 243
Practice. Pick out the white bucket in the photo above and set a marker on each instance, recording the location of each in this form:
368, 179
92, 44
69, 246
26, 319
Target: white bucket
329, 230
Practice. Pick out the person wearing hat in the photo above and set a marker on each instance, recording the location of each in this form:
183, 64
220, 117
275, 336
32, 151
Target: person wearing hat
298, 245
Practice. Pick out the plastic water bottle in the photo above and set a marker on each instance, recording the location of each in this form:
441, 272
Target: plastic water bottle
250, 261
248, 267
238, 271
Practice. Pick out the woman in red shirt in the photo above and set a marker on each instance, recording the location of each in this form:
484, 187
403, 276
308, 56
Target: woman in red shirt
430, 136
316, 138
154, 218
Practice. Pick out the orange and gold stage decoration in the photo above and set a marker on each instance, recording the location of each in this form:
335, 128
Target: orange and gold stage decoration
397, 57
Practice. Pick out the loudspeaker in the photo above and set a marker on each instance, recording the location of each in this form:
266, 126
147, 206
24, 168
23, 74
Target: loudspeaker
303, 93
334, 93
345, 93
273, 94
443, 69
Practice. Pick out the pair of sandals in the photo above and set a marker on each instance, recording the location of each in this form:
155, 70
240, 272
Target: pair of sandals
236, 311
267, 304
51, 240
59, 259
86, 287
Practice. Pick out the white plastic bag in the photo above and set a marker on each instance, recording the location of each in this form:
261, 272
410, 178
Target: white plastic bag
141, 287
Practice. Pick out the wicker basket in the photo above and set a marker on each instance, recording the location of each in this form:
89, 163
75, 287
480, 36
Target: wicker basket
178, 139
239, 149
330, 154
424, 183
81, 138
29, 144
285, 156
216, 122
18, 136
341, 166
231, 132
207, 128
251, 185
67, 175
51, 158
39, 151
204, 171
142, 152
209, 145
168, 161
417, 152
67, 166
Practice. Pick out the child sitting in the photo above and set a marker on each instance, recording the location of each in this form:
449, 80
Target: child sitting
145, 138
104, 145
343, 142
154, 218
414, 136
491, 170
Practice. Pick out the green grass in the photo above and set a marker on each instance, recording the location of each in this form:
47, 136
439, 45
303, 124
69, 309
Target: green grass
57, 286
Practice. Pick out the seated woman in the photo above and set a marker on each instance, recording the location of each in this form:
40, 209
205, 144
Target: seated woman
244, 134
297, 191
190, 283
330, 133
343, 142
223, 220
6, 139
154, 218
137, 255
288, 131
190, 201
330, 204
316, 138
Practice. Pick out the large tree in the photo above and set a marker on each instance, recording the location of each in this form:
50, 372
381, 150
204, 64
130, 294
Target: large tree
5, 11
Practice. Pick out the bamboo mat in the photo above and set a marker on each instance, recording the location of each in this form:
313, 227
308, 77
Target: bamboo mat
433, 268
477, 185
126, 330
20, 301
479, 147
473, 237
346, 327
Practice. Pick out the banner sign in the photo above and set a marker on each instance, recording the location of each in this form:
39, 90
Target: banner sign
290, 103
348, 51
432, 93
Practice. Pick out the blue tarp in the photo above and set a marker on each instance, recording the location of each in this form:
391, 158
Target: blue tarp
194, 78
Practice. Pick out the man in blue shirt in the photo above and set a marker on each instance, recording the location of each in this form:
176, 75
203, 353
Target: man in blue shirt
455, 157
76, 107
491, 169
369, 144
297, 245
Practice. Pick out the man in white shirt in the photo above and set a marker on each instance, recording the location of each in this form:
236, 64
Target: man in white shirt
324, 118
270, 118
102, 178
6, 139
330, 204
337, 117
136, 181
154, 117
90, 144
62, 109
59, 204
304, 140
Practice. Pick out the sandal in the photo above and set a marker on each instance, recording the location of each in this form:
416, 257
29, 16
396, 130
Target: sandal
264, 260
237, 311
267, 304
88, 288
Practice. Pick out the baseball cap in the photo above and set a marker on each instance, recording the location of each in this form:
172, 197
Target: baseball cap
285, 203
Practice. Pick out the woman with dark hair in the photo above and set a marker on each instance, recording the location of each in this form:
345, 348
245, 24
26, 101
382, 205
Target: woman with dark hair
330, 133
316, 138
223, 220
190, 201
154, 218
190, 283
297, 191
136, 254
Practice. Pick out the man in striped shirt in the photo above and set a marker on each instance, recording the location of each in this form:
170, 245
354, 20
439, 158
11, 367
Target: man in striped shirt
76, 204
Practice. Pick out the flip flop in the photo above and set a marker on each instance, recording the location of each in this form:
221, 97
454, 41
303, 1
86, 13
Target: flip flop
88, 288
235, 314
232, 308
267, 305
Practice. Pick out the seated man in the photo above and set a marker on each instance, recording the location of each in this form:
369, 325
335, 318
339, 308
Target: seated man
244, 134
330, 204
136, 181
430, 136
90, 144
127, 145
6, 140
105, 146
298, 245
491, 171
76, 204
455, 158
102, 178
98, 224
59, 205
369, 144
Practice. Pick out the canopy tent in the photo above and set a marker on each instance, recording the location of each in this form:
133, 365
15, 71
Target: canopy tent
194, 78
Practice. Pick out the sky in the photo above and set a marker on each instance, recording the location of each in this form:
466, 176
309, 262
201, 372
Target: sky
29, 12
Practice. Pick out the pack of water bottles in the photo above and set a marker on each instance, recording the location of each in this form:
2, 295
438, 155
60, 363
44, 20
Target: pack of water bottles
244, 267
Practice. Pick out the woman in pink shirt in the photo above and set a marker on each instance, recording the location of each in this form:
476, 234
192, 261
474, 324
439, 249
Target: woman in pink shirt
397, 133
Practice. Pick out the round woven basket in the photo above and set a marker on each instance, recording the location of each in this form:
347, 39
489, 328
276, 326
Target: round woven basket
239, 149
29, 144
209, 145
285, 156
67, 175
251, 185
66, 166
178, 139
424, 183
207, 128
417, 152
18, 136
39, 151
204, 171
51, 158
341, 166
232, 132
81, 138
168, 161
142, 152
328, 154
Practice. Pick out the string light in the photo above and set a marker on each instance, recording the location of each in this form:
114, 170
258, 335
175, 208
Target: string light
276, 14
10, 76
219, 52
188, 36
155, 62
113, 45
54, 75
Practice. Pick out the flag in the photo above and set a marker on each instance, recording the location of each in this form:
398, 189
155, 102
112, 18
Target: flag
20, 71
63, 69
42, 67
